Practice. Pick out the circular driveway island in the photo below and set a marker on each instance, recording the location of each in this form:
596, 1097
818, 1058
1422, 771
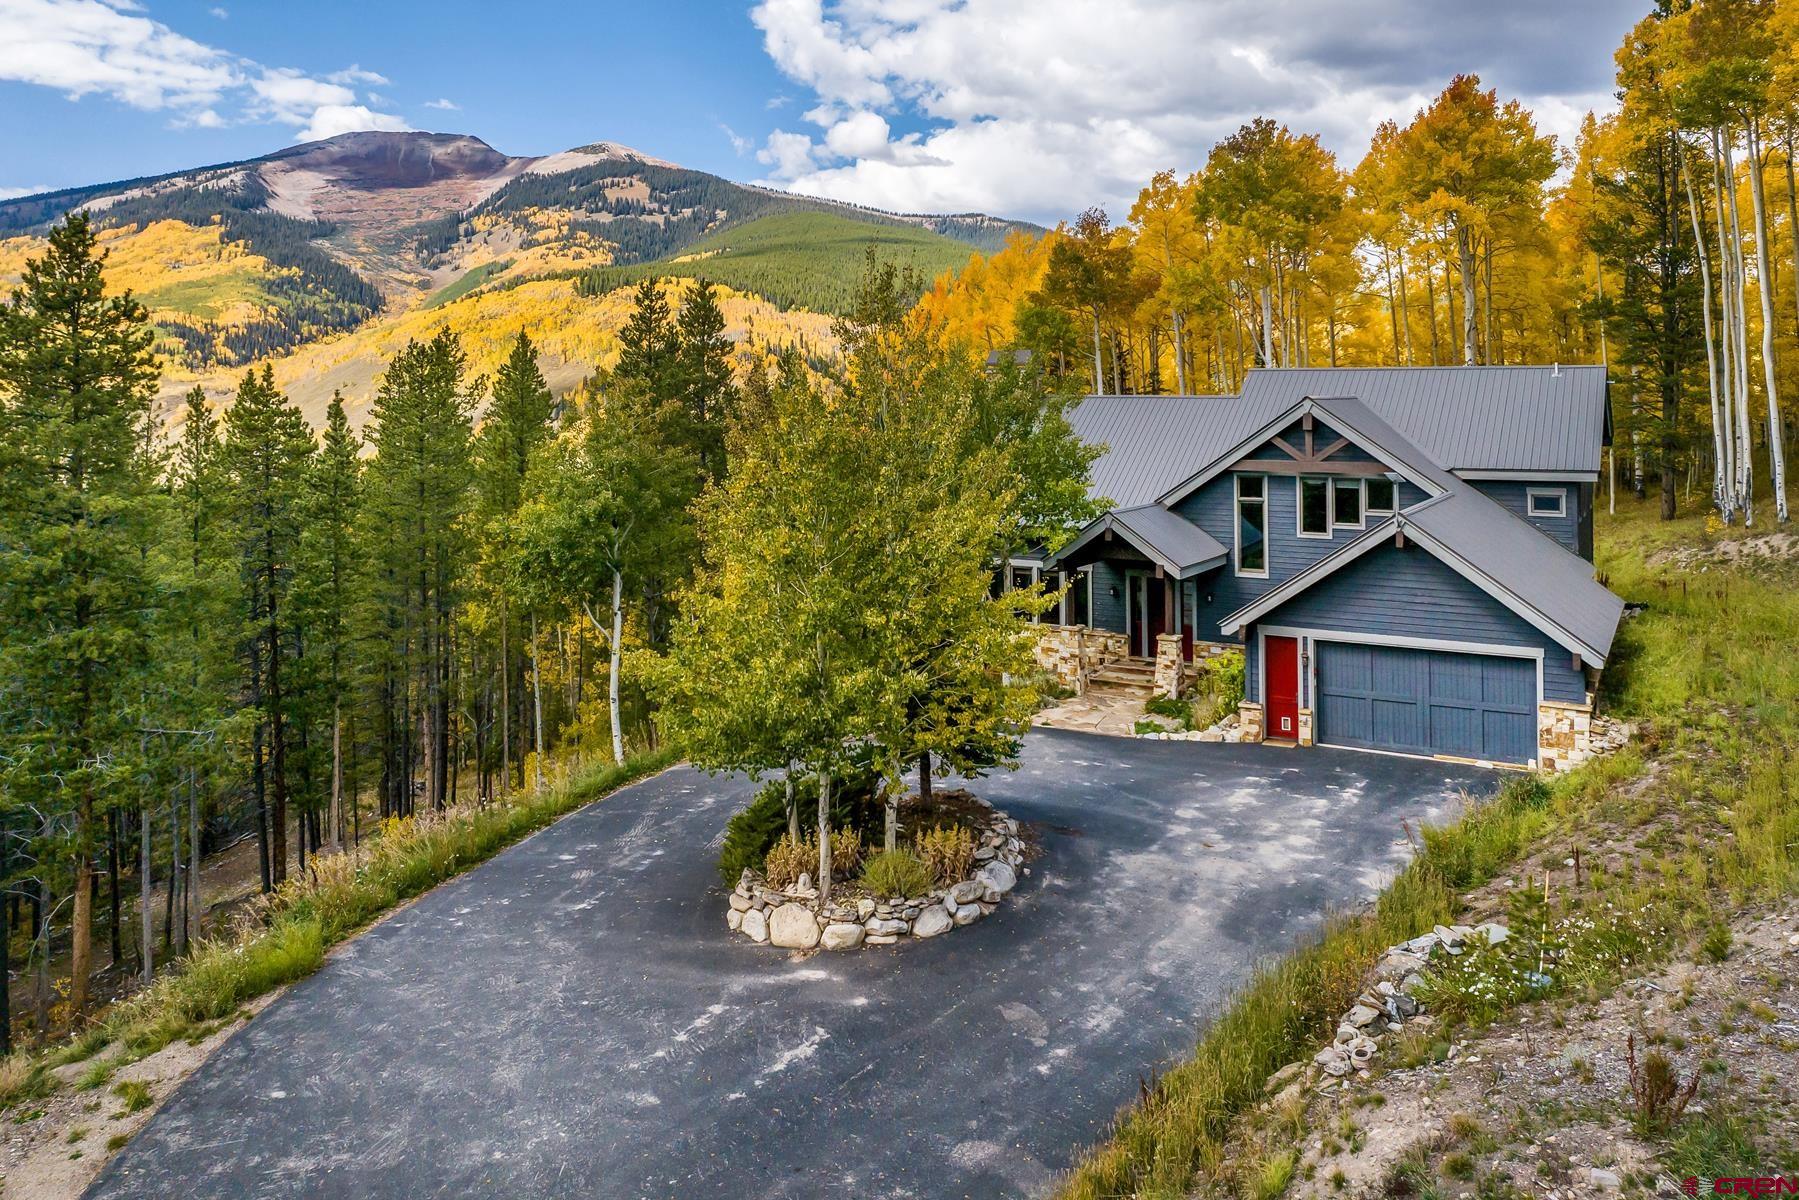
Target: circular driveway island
572, 1018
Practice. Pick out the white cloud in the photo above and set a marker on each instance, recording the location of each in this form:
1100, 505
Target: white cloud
12, 193
111, 48
739, 143
219, 12
445, 104
790, 154
329, 120
1041, 107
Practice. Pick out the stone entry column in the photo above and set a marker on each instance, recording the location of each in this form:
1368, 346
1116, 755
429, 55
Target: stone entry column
1170, 670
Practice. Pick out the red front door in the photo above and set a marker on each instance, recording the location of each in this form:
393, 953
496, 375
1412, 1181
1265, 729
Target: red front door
1280, 684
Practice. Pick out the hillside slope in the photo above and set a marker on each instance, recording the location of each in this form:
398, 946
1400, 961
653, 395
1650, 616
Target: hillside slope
334, 251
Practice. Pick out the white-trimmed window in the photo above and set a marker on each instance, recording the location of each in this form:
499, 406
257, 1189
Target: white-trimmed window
1314, 506
1383, 496
1546, 502
1346, 504
1252, 525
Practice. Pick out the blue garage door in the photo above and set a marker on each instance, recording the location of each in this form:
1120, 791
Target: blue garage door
1427, 701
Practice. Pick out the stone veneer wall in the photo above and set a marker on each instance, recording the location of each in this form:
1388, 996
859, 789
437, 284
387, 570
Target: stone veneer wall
1249, 721
796, 919
1564, 735
1171, 671
1072, 652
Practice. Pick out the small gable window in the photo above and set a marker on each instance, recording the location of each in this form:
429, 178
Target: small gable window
1252, 525
1548, 502
1314, 507
1381, 496
1346, 503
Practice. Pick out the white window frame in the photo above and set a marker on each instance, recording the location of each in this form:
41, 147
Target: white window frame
1368, 510
1361, 506
1299, 505
1067, 589
1559, 495
1237, 524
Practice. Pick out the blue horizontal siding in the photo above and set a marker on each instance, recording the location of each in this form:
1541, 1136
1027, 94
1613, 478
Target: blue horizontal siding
1511, 495
1410, 593
1108, 608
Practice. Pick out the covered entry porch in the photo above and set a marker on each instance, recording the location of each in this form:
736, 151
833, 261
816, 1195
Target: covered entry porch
1139, 574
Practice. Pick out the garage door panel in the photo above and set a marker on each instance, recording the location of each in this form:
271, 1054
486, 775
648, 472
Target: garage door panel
1396, 723
1426, 701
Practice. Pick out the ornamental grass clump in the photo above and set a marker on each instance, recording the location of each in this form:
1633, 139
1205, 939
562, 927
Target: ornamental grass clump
947, 852
896, 873
789, 859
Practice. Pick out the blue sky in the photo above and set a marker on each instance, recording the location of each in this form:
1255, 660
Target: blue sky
1030, 108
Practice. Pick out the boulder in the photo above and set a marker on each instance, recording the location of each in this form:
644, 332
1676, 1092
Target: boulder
734, 919
740, 902
842, 936
966, 914
966, 892
1332, 1060
884, 927
998, 877
1283, 1077
793, 927
755, 925
865, 908
1360, 1016
1494, 931
932, 921
880, 939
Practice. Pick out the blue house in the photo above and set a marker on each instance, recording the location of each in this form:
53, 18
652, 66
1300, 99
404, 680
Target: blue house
1404, 555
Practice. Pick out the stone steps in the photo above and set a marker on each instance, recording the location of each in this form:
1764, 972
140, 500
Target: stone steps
1124, 678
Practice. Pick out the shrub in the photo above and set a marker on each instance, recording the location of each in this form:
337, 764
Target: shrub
896, 873
947, 852
135, 1094
1716, 943
787, 860
1655, 1088
846, 853
1219, 690
751, 833
1174, 710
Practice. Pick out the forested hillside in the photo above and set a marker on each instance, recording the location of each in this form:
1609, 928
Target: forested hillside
277, 258
1662, 243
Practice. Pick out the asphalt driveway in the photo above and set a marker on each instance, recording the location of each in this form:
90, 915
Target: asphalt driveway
574, 1019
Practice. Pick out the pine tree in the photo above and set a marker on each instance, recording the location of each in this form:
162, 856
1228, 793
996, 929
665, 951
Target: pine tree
418, 493
331, 580
517, 423
77, 598
703, 368
267, 455
649, 351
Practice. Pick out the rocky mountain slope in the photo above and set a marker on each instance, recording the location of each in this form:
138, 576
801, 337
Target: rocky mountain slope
324, 257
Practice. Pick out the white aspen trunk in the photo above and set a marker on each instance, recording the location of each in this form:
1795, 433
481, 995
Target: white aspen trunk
1727, 376
1776, 452
1267, 325
1711, 354
1180, 352
195, 898
618, 625
505, 698
1405, 310
145, 909
537, 704
1099, 371
1745, 430
824, 834
793, 812
337, 773
1464, 248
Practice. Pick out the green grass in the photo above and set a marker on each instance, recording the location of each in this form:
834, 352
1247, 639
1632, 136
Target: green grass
310, 913
795, 259
207, 298
1710, 670
467, 283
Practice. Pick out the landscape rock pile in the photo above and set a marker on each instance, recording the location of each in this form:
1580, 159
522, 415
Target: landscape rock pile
1390, 1004
796, 919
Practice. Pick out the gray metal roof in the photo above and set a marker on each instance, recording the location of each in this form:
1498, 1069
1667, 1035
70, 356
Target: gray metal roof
1519, 560
1180, 546
1550, 420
